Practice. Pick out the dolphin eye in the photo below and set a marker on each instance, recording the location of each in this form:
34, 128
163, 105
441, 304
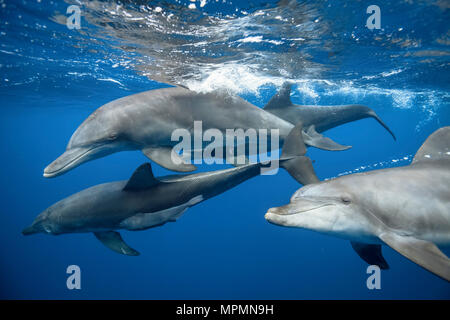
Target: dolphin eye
345, 200
112, 136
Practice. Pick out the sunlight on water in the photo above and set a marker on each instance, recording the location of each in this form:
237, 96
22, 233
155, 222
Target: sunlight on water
397, 162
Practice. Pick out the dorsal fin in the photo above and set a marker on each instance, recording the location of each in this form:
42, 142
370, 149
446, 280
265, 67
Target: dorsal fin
437, 146
142, 178
282, 98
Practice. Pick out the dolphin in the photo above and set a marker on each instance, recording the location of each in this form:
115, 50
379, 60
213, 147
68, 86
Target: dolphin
144, 201
317, 119
406, 208
146, 121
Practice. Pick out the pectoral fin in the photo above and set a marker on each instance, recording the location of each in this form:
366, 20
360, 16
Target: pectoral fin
370, 253
315, 139
424, 253
114, 241
167, 158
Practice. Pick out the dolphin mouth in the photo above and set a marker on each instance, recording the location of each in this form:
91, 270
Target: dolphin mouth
299, 206
282, 216
68, 160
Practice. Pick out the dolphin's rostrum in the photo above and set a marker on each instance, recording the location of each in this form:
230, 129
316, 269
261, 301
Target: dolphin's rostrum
144, 201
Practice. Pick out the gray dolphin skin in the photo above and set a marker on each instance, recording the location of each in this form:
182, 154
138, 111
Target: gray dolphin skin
145, 121
144, 201
317, 119
406, 208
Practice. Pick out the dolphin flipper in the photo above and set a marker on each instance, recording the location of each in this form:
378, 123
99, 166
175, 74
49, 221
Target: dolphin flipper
114, 241
293, 157
315, 139
370, 253
424, 253
164, 155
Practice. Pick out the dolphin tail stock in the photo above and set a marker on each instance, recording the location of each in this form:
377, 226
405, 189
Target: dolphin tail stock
293, 158
372, 114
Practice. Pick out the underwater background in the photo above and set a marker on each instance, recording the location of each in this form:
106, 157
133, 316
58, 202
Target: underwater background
52, 78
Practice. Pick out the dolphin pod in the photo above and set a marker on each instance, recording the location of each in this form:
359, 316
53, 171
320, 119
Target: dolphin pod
144, 201
406, 208
146, 121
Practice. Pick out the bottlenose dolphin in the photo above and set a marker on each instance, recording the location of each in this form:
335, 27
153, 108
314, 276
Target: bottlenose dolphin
406, 208
146, 121
317, 119
144, 201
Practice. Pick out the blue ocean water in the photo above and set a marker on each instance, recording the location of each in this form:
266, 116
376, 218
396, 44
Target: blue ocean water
53, 77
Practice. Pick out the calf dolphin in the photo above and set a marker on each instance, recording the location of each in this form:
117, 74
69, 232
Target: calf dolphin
144, 201
317, 119
146, 121
406, 208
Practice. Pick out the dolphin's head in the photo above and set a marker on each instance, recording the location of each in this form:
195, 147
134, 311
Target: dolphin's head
99, 135
325, 207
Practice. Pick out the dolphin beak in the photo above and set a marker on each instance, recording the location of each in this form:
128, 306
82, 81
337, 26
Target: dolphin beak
36, 226
282, 215
67, 161
29, 230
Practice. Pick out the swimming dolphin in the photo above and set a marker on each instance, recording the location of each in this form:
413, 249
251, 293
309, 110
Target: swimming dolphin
406, 208
146, 121
144, 201
317, 119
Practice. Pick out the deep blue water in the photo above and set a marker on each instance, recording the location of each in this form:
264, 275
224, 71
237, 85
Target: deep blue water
52, 78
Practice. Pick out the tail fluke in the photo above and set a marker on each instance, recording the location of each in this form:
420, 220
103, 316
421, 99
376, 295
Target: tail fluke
372, 114
293, 157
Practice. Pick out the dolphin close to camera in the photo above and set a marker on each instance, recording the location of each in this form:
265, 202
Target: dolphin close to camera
146, 121
406, 208
317, 119
144, 201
